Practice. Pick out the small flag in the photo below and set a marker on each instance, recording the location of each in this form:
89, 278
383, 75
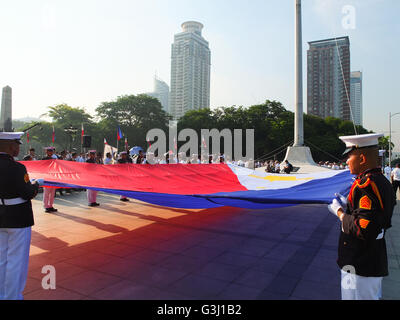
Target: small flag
82, 134
148, 141
119, 134
53, 138
204, 142
105, 141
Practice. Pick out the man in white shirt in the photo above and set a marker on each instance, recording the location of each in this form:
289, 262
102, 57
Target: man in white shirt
277, 167
335, 166
81, 158
396, 178
387, 171
108, 159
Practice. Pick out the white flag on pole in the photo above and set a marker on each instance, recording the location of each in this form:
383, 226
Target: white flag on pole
110, 149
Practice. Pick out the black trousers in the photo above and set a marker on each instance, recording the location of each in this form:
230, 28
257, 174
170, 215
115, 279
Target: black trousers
396, 185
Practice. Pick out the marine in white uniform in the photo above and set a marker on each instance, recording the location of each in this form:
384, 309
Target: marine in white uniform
92, 194
125, 159
48, 192
365, 216
16, 218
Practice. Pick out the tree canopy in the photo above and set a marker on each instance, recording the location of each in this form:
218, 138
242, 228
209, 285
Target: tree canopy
137, 114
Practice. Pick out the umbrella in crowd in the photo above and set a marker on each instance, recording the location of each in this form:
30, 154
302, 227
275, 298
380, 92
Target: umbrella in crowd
135, 150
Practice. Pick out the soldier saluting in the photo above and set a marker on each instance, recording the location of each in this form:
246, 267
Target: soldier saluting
365, 215
16, 218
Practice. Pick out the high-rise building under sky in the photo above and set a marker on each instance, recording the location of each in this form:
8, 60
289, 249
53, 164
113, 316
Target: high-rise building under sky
190, 71
161, 92
356, 97
328, 78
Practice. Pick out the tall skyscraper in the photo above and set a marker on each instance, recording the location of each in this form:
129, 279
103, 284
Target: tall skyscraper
6, 106
190, 71
161, 92
356, 97
328, 78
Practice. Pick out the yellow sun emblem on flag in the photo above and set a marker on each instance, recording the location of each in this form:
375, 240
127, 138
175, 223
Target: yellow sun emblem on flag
280, 178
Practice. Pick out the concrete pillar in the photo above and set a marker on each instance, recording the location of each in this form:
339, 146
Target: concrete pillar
298, 121
299, 154
6, 106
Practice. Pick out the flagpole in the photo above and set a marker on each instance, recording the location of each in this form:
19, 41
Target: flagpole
82, 133
53, 136
117, 146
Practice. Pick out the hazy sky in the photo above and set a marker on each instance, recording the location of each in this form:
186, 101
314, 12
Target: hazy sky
89, 51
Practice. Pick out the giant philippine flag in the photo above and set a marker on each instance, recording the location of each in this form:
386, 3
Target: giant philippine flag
194, 186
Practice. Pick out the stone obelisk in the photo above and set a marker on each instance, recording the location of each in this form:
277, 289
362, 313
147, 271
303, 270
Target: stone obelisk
6, 106
299, 154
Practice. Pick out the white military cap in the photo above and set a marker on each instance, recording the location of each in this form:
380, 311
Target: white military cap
360, 141
16, 136
92, 151
49, 148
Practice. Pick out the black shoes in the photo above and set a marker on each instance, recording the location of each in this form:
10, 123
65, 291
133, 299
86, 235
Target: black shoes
49, 210
93, 204
124, 199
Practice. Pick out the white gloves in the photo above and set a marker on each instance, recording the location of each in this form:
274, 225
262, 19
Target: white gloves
39, 181
342, 199
338, 203
335, 206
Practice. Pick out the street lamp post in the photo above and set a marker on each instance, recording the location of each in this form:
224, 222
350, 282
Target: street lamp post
390, 137
70, 131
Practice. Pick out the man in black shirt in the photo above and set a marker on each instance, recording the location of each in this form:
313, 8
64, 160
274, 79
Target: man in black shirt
16, 218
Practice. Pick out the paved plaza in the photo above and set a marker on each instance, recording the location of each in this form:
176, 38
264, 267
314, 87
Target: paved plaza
135, 250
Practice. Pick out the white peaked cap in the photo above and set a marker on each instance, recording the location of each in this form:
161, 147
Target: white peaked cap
11, 136
360, 141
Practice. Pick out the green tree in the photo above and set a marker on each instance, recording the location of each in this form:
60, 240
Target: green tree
273, 129
136, 115
64, 114
384, 145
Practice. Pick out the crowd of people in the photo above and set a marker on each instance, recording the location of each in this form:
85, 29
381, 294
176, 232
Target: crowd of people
278, 167
393, 175
333, 165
